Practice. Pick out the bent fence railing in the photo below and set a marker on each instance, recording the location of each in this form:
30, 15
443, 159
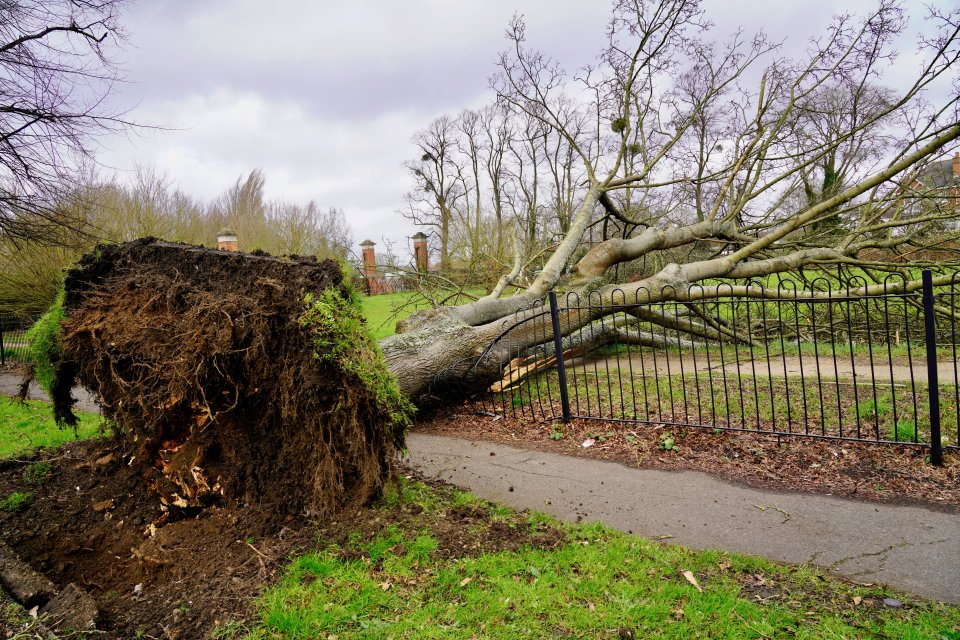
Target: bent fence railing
865, 362
13, 343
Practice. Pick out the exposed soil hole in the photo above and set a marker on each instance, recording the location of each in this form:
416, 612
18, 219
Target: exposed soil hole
198, 572
174, 583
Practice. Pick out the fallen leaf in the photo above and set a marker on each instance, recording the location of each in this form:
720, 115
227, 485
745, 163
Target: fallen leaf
723, 566
589, 442
385, 585
591, 606
857, 600
465, 582
692, 580
107, 459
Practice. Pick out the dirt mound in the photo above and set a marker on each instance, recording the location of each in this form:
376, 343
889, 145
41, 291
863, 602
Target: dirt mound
231, 378
88, 524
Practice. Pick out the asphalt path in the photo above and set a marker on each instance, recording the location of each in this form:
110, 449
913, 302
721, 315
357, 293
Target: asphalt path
909, 548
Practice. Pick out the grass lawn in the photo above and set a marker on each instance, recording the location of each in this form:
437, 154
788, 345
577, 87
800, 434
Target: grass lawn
383, 312
402, 576
24, 428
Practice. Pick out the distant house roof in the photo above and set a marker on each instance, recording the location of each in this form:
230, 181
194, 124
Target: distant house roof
939, 174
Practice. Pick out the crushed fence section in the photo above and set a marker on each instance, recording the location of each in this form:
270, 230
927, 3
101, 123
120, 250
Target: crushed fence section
13, 342
848, 362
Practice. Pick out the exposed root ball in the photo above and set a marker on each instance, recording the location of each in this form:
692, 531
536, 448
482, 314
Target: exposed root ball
205, 362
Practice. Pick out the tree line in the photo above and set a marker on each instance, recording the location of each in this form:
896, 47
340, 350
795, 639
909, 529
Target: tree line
671, 129
151, 205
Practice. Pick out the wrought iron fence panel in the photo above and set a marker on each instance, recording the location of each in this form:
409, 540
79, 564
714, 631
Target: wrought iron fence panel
843, 361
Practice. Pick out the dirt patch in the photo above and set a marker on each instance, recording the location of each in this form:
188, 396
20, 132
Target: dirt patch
223, 395
89, 522
898, 475
459, 530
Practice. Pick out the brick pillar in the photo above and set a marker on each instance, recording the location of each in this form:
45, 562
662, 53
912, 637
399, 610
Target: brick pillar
227, 240
369, 257
956, 165
370, 267
420, 256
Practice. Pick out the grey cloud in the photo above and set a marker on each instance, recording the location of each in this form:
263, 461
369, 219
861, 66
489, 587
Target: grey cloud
324, 96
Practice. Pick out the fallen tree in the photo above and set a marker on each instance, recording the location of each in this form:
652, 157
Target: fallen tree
816, 166
230, 378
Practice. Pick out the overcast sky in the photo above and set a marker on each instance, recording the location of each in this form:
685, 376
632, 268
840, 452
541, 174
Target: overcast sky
324, 96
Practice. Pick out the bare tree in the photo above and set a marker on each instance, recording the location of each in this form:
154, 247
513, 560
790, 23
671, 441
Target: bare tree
497, 131
437, 189
731, 148
308, 231
57, 74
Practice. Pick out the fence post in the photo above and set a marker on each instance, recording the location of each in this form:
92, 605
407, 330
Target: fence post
933, 384
3, 359
558, 349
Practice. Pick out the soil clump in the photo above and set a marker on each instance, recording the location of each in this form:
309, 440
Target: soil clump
220, 391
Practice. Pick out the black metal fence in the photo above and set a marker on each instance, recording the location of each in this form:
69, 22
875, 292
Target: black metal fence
13, 343
858, 361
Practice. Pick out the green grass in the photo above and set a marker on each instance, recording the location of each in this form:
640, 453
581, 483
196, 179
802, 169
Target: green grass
598, 583
15, 355
15, 501
37, 472
27, 427
383, 312
44, 339
341, 337
881, 353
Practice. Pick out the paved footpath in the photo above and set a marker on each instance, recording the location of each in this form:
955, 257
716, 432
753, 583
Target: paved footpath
10, 386
910, 548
